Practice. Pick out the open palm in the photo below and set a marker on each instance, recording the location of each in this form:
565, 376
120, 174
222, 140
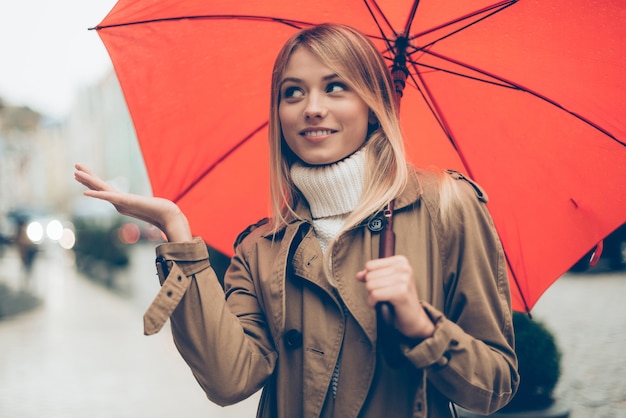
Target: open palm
162, 213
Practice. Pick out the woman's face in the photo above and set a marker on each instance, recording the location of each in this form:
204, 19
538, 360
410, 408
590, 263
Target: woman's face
322, 120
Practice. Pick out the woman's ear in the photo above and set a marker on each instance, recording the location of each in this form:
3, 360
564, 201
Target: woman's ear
371, 118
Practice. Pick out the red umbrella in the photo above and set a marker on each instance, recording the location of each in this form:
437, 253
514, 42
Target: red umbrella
526, 97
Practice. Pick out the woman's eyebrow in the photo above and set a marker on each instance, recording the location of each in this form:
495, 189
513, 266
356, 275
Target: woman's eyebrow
290, 79
298, 80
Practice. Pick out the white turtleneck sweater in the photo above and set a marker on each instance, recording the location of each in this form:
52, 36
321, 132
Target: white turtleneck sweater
332, 191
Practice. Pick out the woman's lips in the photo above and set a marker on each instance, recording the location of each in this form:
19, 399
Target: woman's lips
317, 134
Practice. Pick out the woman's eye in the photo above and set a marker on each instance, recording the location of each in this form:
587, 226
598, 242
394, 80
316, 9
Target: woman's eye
292, 92
336, 87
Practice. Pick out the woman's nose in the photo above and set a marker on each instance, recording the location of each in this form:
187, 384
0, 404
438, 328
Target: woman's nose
315, 107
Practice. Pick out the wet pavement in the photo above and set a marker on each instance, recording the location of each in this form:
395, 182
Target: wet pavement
82, 352
587, 314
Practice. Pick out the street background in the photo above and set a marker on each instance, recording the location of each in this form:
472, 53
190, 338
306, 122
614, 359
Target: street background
82, 352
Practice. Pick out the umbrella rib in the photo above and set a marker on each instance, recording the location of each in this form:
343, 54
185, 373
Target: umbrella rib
493, 9
386, 39
498, 8
216, 163
437, 114
510, 84
470, 77
289, 22
428, 100
409, 21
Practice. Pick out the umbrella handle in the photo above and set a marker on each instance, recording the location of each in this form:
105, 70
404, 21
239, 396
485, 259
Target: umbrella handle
388, 336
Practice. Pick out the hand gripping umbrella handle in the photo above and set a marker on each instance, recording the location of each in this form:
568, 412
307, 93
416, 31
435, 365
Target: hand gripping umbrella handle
385, 315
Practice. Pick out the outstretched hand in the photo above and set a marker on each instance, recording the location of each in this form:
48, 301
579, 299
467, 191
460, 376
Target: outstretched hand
162, 213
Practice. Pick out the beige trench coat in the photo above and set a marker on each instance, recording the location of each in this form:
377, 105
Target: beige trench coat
282, 327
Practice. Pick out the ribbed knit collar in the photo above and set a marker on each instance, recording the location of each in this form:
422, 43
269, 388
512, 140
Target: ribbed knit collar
333, 189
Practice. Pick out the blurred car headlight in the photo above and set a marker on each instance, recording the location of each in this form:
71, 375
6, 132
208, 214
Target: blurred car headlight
34, 231
68, 239
54, 230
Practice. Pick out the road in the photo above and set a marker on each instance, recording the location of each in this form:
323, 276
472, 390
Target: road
83, 353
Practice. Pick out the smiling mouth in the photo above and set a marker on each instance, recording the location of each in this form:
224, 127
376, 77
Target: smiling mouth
320, 132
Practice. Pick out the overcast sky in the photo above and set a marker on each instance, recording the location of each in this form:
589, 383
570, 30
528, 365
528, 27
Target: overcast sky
47, 53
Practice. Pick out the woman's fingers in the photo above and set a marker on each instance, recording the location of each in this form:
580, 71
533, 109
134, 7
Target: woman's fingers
125, 203
89, 179
386, 273
391, 280
84, 169
162, 213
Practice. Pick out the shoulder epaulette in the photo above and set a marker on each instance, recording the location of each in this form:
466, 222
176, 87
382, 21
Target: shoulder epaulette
480, 193
248, 230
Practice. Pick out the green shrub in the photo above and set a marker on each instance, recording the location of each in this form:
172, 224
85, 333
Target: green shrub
539, 362
99, 241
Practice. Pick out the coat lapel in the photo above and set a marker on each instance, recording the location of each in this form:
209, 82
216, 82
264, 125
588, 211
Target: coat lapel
350, 255
279, 272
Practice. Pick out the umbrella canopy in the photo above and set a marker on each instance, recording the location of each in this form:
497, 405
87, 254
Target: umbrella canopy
526, 97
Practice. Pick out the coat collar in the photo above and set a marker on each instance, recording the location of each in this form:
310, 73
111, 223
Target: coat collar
407, 197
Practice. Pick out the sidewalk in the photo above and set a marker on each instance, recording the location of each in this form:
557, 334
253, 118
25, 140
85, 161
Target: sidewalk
83, 354
587, 313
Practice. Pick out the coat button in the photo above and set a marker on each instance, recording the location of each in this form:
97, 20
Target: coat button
293, 339
376, 224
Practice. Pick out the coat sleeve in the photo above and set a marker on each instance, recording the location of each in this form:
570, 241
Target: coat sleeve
471, 358
231, 356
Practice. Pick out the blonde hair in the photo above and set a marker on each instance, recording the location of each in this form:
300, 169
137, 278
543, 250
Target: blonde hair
354, 58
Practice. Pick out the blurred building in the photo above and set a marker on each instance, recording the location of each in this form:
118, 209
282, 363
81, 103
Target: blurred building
37, 155
30, 147
101, 135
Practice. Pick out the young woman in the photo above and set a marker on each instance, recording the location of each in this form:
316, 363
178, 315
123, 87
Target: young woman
297, 314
